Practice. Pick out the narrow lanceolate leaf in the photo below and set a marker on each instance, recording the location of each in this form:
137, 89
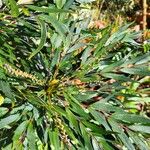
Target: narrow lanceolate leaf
55, 59
140, 70
140, 99
116, 77
47, 9
105, 107
86, 54
59, 27
60, 3
87, 140
131, 118
54, 139
19, 134
8, 120
76, 47
20, 129
31, 137
140, 142
113, 66
119, 35
140, 128
72, 120
14, 8
123, 137
3, 111
100, 118
43, 38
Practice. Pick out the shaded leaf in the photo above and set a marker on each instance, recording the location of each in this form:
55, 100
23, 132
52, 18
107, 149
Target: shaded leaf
5, 88
31, 137
8, 120
42, 40
3, 111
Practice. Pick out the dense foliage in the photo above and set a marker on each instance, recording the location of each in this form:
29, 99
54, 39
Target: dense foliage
66, 86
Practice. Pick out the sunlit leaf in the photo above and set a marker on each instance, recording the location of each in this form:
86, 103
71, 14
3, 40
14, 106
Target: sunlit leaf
1, 100
14, 8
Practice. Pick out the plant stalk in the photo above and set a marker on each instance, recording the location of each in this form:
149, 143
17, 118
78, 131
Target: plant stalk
144, 18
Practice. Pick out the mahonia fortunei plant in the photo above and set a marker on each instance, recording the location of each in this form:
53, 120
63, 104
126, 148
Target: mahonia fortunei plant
65, 86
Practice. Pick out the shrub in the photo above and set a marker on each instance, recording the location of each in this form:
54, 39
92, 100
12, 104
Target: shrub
64, 86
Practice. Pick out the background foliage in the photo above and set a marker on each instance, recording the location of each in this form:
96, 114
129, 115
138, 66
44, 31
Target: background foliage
64, 85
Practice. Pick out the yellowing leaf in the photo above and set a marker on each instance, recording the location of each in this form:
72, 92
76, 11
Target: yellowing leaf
25, 11
25, 2
1, 100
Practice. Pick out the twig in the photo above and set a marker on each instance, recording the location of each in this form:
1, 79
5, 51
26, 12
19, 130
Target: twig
144, 18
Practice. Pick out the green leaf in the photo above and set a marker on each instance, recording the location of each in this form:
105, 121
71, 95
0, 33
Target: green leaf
7, 55
3, 111
55, 59
27, 24
140, 128
131, 118
31, 137
139, 99
8, 120
76, 47
76, 107
14, 8
141, 70
20, 129
96, 129
100, 119
47, 9
101, 49
59, 27
124, 138
2, 74
43, 39
118, 36
68, 4
7, 147
113, 66
86, 137
56, 40
35, 100
105, 107
105, 145
60, 3
144, 58
116, 77
85, 55
57, 109
140, 142
72, 120
54, 139
5, 88
18, 133
127, 142
86, 96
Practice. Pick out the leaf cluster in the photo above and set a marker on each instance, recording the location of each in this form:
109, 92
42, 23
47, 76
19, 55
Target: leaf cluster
69, 87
